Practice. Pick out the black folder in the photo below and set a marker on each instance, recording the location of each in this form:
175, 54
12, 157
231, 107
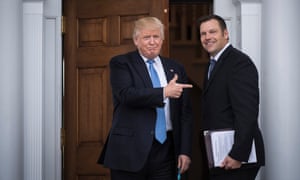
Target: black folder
218, 144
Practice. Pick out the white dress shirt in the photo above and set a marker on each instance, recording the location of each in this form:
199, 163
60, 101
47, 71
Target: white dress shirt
163, 82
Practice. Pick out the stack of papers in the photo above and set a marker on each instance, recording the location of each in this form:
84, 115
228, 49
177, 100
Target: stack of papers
219, 143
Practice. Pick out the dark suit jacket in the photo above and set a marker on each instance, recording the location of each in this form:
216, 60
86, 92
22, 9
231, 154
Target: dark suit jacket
132, 132
231, 100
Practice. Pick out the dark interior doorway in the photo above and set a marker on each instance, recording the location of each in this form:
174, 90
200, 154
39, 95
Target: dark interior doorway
186, 48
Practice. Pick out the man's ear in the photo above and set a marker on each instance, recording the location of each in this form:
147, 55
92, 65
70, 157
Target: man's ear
226, 34
135, 41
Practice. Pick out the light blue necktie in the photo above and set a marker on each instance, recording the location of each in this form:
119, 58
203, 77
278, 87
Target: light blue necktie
160, 126
211, 66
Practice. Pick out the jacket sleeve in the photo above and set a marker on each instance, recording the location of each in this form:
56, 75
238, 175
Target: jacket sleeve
244, 97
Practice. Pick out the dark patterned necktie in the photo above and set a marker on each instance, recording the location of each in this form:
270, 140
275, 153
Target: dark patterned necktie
211, 67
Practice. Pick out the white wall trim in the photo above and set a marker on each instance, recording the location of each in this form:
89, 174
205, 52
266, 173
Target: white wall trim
52, 99
42, 90
33, 89
53, 85
250, 17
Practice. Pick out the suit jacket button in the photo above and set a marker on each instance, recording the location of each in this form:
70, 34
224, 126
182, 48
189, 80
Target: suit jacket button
152, 132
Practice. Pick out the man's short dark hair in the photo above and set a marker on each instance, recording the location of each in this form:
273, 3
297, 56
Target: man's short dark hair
220, 20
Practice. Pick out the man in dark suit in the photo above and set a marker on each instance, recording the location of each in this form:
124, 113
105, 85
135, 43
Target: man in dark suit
132, 151
231, 100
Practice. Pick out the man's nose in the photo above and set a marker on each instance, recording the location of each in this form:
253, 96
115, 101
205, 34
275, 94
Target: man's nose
151, 40
207, 36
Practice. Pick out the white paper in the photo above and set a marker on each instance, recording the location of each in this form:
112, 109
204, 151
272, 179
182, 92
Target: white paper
222, 142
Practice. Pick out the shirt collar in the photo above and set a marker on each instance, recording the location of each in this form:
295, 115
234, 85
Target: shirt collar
156, 59
216, 57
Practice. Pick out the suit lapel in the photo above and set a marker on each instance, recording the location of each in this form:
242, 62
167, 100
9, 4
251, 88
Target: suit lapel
138, 63
169, 71
218, 65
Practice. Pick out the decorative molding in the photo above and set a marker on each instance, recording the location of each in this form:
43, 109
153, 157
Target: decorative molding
52, 165
246, 1
33, 8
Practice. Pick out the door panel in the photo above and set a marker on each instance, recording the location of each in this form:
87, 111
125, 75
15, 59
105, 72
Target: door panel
95, 31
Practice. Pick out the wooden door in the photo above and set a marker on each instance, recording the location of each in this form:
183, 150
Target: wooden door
96, 30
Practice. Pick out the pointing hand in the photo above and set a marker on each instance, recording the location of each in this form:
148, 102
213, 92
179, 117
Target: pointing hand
173, 89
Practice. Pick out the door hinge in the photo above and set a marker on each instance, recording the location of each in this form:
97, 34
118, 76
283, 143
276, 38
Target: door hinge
63, 24
62, 138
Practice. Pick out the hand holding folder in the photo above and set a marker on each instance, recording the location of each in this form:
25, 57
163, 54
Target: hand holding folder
219, 143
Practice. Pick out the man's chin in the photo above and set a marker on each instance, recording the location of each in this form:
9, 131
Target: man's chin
211, 51
152, 55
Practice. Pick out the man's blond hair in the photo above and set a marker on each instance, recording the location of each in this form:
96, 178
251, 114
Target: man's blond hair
148, 23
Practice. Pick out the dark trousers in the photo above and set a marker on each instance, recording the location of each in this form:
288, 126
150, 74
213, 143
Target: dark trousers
160, 165
238, 174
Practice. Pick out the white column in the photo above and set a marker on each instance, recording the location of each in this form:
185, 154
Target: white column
249, 20
11, 89
280, 88
52, 155
33, 90
249, 38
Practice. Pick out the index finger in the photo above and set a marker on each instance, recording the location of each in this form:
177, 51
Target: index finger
185, 85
